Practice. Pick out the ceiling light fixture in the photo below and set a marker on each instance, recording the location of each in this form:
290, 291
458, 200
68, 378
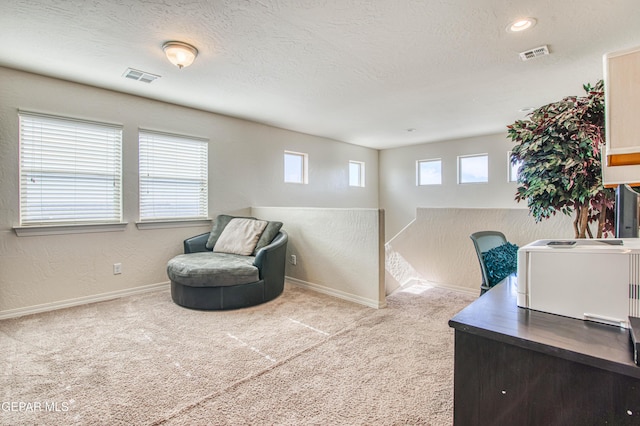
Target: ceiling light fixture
521, 25
180, 54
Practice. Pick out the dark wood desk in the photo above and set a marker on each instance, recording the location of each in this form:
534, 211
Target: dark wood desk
515, 366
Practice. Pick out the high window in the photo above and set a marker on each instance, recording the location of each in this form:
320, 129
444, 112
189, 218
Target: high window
514, 168
295, 167
429, 172
473, 168
173, 176
356, 173
70, 171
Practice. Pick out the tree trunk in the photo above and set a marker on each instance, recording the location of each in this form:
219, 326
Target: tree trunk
583, 220
576, 230
602, 218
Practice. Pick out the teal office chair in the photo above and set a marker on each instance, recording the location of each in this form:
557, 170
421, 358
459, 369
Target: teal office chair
484, 241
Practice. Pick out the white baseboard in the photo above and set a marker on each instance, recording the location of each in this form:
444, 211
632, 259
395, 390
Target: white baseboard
467, 290
337, 293
45, 307
419, 281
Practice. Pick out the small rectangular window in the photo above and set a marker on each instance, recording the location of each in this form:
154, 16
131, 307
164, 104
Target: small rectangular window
356, 173
429, 172
295, 167
514, 168
70, 171
173, 173
473, 168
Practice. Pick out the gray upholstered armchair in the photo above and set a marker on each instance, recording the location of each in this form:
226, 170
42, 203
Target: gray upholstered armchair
206, 278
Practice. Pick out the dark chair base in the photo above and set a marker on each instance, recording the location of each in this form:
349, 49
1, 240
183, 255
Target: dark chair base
221, 298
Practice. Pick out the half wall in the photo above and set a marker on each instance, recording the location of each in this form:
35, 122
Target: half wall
436, 247
339, 252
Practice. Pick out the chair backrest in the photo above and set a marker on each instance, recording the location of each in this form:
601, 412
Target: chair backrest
484, 241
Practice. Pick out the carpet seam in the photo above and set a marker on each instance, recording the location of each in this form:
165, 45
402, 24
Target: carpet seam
260, 373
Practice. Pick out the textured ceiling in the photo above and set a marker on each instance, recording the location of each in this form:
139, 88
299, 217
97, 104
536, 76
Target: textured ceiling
359, 71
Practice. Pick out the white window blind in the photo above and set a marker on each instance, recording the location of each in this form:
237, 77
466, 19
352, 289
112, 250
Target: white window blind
173, 177
70, 171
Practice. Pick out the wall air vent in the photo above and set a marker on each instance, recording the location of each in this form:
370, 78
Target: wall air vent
138, 75
534, 53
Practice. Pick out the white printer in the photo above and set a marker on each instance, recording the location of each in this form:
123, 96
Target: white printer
588, 279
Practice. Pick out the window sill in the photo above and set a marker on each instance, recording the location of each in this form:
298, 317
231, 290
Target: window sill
35, 230
175, 223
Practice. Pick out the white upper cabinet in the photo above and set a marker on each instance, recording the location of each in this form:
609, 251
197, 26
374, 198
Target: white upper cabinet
622, 103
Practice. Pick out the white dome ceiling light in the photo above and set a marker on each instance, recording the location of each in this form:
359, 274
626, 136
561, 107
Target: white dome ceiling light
180, 54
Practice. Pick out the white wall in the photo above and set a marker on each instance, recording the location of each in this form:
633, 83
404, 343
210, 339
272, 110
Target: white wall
339, 251
436, 246
245, 169
400, 196
428, 227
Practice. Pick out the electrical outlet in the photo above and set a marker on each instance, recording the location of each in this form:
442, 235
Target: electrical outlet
117, 268
293, 259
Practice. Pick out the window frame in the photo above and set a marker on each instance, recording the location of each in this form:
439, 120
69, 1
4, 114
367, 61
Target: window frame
460, 161
419, 174
510, 177
47, 143
304, 166
360, 174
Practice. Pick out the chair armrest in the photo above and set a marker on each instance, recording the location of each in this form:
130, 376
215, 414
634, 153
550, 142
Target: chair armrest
196, 244
273, 252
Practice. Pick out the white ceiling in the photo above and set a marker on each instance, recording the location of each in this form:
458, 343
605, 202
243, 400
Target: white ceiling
359, 71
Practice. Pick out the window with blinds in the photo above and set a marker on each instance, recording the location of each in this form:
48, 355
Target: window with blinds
70, 171
173, 177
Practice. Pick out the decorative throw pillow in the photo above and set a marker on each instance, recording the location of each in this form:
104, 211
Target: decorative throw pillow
240, 236
500, 262
268, 235
219, 224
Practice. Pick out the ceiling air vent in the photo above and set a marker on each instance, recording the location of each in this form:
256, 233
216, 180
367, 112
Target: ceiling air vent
138, 75
534, 53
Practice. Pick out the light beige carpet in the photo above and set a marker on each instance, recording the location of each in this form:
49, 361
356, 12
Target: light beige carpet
302, 359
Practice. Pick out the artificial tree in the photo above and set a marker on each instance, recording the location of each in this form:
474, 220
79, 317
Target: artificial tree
559, 148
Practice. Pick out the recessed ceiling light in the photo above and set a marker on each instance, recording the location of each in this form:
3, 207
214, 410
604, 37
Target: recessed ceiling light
411, 130
521, 25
